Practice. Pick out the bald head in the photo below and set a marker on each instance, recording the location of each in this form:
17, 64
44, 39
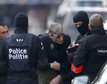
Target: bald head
96, 21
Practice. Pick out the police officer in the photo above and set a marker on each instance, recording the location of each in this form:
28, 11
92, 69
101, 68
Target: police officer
20, 51
3, 71
81, 21
92, 52
54, 63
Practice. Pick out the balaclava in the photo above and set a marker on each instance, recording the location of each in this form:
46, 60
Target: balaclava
82, 16
21, 23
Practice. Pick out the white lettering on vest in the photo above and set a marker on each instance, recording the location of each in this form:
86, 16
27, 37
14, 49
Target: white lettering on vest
18, 53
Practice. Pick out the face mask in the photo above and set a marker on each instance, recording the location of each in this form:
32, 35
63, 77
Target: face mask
82, 16
83, 29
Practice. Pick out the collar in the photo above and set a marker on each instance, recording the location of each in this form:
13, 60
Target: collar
18, 31
99, 30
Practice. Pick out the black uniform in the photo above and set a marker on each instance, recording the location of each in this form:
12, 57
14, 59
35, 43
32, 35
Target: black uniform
82, 29
3, 76
91, 54
20, 51
54, 52
3, 73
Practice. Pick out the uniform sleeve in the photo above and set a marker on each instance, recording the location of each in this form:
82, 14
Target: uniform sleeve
78, 61
79, 39
65, 67
37, 51
65, 64
42, 58
2, 53
80, 58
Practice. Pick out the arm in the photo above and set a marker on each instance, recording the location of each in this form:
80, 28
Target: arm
78, 61
2, 55
64, 62
43, 61
56, 80
64, 69
71, 50
42, 58
79, 58
55, 65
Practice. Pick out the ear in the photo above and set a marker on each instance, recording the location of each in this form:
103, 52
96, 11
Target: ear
103, 25
89, 27
50, 35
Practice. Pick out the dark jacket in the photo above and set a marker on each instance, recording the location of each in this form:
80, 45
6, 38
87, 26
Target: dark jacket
79, 39
54, 52
91, 54
3, 71
21, 23
33, 54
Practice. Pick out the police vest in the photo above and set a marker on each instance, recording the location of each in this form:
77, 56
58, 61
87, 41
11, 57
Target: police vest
19, 51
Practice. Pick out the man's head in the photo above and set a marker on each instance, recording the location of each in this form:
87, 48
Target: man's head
21, 22
3, 30
95, 21
81, 22
56, 33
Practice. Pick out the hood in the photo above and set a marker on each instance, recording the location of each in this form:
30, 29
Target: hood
82, 16
21, 23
